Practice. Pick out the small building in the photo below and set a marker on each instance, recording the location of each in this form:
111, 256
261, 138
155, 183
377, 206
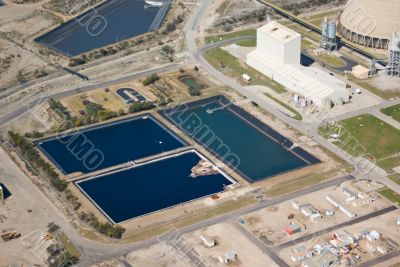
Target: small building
373, 236
231, 255
208, 242
292, 229
297, 258
329, 212
308, 210
315, 217
295, 205
246, 77
398, 221
360, 72
333, 201
349, 192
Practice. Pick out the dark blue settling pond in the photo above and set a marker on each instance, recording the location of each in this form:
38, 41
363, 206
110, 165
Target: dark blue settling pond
254, 149
108, 23
150, 187
108, 145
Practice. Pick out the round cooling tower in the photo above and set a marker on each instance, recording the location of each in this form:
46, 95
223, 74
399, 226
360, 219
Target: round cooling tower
369, 23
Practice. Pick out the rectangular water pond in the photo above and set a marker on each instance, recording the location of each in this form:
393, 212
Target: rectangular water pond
108, 23
151, 186
238, 139
111, 144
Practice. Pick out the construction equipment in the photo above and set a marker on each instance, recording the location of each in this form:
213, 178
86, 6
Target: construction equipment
10, 236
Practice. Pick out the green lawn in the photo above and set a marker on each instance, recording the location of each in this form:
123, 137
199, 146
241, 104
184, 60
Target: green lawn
390, 195
367, 132
220, 37
297, 114
393, 112
395, 178
231, 66
248, 43
333, 61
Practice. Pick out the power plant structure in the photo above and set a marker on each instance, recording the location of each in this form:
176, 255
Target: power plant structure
278, 55
369, 23
393, 66
328, 40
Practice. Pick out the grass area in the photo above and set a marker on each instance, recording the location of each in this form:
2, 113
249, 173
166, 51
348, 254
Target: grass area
333, 61
395, 178
306, 44
367, 133
389, 194
248, 43
220, 37
386, 94
68, 245
297, 114
393, 112
231, 66
389, 163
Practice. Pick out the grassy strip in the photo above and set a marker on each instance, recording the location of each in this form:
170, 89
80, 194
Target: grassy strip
68, 245
230, 65
393, 112
216, 38
386, 94
248, 43
333, 61
297, 114
390, 195
395, 178
289, 186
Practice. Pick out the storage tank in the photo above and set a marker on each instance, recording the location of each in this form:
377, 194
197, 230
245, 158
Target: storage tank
328, 40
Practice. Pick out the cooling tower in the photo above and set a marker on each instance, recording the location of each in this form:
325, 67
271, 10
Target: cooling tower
370, 23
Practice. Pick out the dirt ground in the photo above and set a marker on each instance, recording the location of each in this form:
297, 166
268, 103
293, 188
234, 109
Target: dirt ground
21, 212
157, 255
227, 238
19, 24
270, 231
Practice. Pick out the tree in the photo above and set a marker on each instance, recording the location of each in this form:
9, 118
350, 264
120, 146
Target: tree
167, 50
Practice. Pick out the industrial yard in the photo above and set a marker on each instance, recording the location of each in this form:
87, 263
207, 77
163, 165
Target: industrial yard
312, 213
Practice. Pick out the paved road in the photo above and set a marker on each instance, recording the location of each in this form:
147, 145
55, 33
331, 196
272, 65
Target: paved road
336, 227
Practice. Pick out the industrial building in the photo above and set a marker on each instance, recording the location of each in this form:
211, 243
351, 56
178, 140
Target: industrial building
278, 55
328, 40
369, 23
393, 66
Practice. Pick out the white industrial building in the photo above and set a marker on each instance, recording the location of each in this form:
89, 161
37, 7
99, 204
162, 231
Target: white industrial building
278, 55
